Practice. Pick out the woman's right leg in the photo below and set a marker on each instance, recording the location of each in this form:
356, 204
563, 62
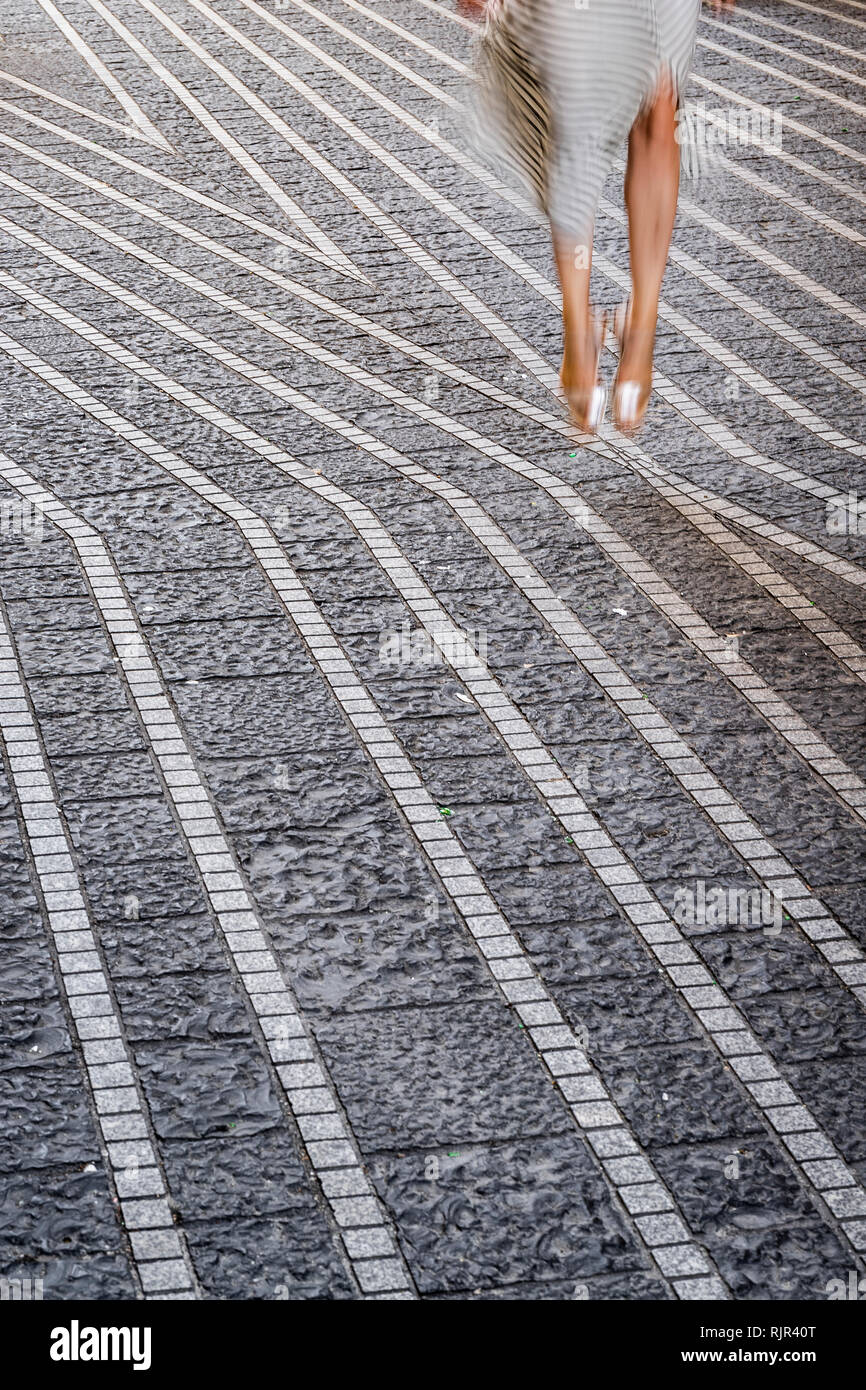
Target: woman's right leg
580, 355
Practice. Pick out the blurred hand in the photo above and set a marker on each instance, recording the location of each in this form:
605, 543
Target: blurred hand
472, 9
719, 5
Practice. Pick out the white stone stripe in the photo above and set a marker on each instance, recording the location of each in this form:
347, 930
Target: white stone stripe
751, 248
802, 166
799, 205
132, 130
107, 78
398, 29
762, 42
159, 1255
720, 434
302, 1073
388, 59
822, 761
684, 497
788, 272
448, 14
738, 171
620, 880
678, 1257
771, 868
238, 152
810, 37
192, 195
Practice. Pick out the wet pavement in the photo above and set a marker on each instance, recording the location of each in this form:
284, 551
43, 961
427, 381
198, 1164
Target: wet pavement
431, 842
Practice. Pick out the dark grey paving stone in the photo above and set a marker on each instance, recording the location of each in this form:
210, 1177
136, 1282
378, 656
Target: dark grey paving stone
239, 1175
162, 946
196, 1005
198, 1089
47, 1117
84, 1274
681, 1093
33, 1031
466, 1075
270, 1257
57, 1214
528, 1210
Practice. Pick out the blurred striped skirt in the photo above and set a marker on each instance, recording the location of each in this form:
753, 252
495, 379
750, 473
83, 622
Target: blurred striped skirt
560, 83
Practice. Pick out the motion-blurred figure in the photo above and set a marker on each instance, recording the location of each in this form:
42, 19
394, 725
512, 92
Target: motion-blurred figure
562, 83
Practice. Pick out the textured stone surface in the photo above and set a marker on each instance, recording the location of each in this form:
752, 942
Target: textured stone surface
306, 866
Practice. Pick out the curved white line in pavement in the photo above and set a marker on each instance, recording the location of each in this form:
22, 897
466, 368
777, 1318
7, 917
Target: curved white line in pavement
297, 1061
159, 1259
727, 440
754, 18
830, 14
796, 732
107, 78
686, 497
818, 63
811, 87
192, 195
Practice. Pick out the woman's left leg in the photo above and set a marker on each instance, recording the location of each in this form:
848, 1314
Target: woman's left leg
579, 373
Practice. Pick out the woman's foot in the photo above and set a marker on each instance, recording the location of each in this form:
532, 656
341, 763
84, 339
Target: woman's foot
579, 377
634, 379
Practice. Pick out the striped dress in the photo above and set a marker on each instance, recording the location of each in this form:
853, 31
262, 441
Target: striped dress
560, 83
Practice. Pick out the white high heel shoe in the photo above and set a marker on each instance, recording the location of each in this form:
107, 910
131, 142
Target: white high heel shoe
630, 398
588, 408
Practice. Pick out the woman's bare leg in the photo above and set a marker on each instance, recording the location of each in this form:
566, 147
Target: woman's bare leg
651, 187
578, 373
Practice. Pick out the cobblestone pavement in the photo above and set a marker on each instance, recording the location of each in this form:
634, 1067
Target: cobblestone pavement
432, 843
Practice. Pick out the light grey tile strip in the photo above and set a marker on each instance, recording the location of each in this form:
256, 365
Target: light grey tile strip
820, 757
365, 1232
646, 1202
721, 1021
633, 455
818, 137
761, 41
772, 869
688, 499
130, 130
818, 39
726, 92
821, 355
159, 1258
